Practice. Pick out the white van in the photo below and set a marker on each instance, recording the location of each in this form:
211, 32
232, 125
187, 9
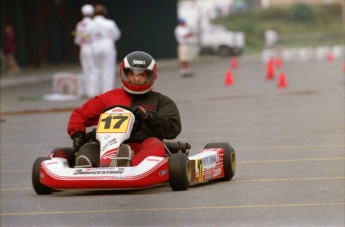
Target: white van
215, 39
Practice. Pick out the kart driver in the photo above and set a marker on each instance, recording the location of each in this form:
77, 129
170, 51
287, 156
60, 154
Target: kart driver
159, 114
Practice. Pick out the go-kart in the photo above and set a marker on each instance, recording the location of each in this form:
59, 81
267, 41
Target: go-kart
58, 171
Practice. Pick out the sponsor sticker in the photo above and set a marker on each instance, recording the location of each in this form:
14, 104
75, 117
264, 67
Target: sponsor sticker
139, 62
51, 163
153, 160
209, 160
96, 172
117, 110
109, 143
163, 172
217, 172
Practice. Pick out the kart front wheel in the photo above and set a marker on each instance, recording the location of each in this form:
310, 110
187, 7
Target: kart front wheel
179, 175
39, 188
229, 159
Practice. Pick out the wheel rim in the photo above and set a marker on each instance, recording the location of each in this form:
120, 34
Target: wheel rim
233, 161
189, 174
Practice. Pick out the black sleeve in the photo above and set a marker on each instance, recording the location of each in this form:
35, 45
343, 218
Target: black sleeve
165, 121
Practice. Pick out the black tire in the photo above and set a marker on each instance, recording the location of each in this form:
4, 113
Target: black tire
39, 188
179, 175
229, 159
238, 52
224, 51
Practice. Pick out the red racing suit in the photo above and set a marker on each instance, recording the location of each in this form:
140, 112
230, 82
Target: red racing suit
166, 123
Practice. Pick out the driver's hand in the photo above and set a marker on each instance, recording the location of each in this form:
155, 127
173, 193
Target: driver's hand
79, 139
140, 113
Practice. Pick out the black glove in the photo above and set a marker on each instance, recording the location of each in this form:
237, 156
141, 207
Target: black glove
149, 116
79, 139
140, 113
91, 136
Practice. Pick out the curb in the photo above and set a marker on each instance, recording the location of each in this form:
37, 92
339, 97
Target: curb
29, 79
46, 74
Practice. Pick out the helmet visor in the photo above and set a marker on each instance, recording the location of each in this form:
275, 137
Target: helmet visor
133, 74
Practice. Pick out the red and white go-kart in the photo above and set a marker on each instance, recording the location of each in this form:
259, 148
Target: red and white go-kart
57, 172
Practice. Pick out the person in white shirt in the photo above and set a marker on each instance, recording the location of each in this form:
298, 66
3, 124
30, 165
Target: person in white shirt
83, 40
271, 38
104, 33
187, 46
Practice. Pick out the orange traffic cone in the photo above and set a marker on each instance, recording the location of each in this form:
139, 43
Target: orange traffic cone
234, 63
278, 62
330, 57
270, 70
282, 83
228, 78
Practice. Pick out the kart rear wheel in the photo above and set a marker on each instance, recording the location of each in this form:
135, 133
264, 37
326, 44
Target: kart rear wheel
229, 159
179, 174
39, 188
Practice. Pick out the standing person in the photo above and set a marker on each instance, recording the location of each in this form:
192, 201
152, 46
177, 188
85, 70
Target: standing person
159, 114
271, 37
10, 50
83, 40
3, 61
186, 49
104, 33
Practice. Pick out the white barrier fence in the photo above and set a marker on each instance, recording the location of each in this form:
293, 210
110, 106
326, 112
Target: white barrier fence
305, 54
68, 84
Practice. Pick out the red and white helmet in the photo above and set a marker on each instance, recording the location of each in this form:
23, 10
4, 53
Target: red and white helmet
138, 61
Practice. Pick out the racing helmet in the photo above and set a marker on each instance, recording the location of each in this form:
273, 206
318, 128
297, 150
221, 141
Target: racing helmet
138, 61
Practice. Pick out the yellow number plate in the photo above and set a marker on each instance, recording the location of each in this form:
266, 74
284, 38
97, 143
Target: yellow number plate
113, 123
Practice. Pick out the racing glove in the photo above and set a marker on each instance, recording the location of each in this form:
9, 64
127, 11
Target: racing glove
79, 139
144, 115
140, 113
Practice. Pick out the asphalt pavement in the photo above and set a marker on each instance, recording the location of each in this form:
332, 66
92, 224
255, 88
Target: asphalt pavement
289, 142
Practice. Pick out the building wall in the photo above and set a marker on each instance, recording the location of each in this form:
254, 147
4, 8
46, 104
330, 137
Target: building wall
44, 28
146, 25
